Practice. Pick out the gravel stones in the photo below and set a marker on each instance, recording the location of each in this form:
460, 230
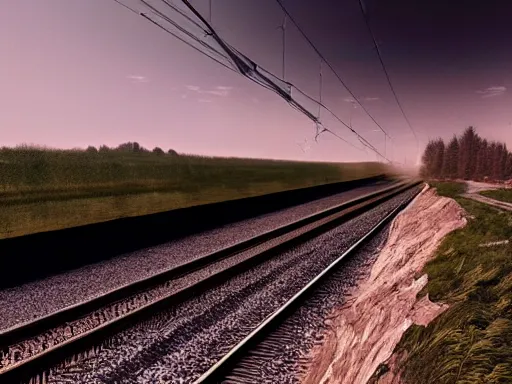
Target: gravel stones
179, 344
39, 298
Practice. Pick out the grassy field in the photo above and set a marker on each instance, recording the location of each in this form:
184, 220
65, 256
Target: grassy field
499, 194
451, 189
43, 189
472, 341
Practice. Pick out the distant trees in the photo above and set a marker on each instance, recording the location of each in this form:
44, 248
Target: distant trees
103, 149
130, 147
467, 157
451, 159
508, 166
482, 159
158, 151
433, 158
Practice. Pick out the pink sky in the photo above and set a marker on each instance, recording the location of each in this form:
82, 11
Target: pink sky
77, 73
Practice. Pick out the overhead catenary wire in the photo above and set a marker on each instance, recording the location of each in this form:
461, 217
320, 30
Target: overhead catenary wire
386, 73
182, 13
360, 138
246, 67
180, 28
365, 142
294, 105
188, 43
317, 51
144, 15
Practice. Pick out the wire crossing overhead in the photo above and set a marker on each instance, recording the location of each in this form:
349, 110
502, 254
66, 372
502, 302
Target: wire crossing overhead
200, 35
377, 49
322, 57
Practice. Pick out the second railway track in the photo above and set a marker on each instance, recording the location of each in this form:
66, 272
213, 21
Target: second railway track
31, 349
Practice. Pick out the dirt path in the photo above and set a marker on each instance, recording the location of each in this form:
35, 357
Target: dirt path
473, 192
363, 333
488, 201
477, 186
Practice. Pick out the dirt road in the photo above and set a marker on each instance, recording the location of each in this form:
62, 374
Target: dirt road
473, 193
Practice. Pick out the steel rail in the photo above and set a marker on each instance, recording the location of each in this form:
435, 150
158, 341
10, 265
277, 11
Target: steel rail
31, 328
218, 371
318, 223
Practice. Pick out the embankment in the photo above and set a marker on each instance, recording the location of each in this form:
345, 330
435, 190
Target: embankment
363, 333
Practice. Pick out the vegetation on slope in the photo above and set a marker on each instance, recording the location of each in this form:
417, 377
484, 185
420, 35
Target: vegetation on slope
472, 341
42, 189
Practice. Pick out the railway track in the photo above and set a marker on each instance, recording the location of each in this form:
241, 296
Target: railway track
30, 349
266, 342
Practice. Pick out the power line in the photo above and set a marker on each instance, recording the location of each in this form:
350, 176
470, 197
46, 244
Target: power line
164, 17
186, 42
251, 70
180, 28
329, 65
245, 66
144, 15
182, 13
386, 71
223, 45
315, 119
361, 139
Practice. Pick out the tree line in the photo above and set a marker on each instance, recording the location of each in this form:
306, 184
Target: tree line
129, 147
467, 157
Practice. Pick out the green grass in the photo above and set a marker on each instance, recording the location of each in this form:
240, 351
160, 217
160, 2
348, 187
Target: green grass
499, 194
450, 189
472, 341
43, 189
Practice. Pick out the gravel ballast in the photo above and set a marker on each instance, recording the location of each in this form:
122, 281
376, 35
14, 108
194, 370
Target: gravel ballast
287, 350
39, 298
181, 343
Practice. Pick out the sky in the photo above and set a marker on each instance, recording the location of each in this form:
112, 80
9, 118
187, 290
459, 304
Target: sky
89, 72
